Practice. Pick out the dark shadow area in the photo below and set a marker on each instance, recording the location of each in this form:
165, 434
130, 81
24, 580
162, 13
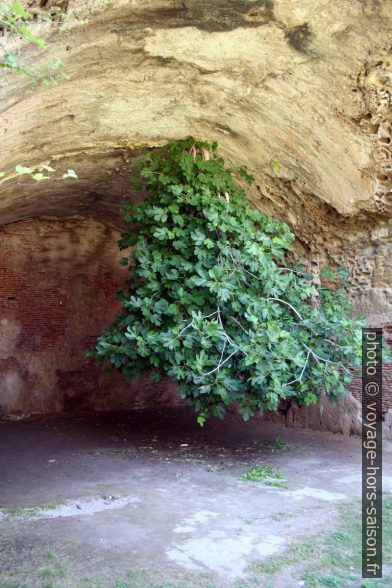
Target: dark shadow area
43, 457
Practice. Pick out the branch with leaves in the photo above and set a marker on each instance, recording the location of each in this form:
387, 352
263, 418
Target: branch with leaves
39, 174
15, 24
211, 300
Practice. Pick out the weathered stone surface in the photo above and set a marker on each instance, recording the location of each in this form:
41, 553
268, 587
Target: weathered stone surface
271, 80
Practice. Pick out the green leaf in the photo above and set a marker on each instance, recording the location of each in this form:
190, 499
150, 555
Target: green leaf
20, 169
160, 233
38, 177
18, 9
326, 272
27, 34
201, 419
276, 165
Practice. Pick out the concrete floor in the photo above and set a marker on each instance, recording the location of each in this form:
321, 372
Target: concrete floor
150, 499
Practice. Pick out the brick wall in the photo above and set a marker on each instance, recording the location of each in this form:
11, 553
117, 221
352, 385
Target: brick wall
356, 384
57, 293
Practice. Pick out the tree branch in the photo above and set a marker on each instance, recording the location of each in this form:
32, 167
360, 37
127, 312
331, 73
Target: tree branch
287, 304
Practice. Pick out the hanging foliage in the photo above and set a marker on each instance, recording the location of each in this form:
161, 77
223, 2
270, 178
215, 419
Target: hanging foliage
212, 302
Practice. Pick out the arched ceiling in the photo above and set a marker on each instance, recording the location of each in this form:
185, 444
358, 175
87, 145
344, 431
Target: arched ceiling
305, 84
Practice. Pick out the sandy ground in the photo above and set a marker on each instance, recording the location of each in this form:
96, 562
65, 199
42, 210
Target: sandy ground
150, 499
